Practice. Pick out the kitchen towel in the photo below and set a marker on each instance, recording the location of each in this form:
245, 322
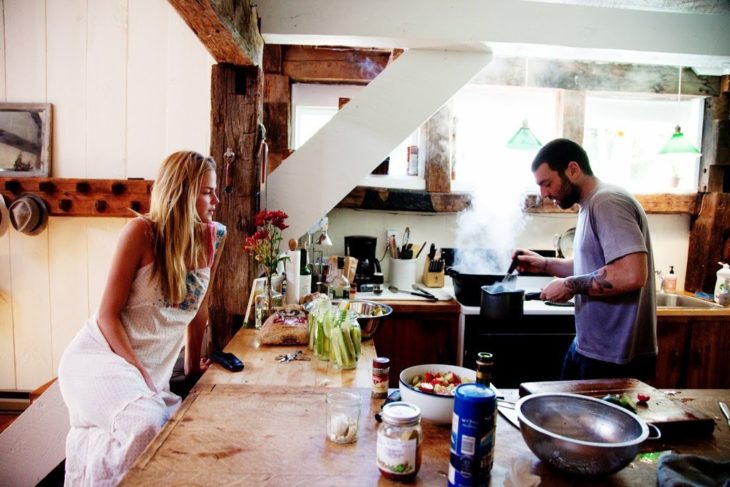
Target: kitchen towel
292, 277
680, 470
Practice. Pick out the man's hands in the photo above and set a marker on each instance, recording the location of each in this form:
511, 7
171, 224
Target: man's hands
529, 261
557, 291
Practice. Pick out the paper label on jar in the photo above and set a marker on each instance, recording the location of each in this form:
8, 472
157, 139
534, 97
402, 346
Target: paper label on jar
396, 456
380, 383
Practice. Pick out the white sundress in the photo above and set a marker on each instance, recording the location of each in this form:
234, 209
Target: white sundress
113, 414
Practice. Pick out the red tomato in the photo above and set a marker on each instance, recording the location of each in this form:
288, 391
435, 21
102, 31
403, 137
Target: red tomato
427, 377
642, 397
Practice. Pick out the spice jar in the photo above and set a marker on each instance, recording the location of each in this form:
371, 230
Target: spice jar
380, 377
399, 441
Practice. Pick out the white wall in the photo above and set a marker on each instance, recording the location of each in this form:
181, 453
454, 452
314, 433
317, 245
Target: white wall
129, 83
669, 233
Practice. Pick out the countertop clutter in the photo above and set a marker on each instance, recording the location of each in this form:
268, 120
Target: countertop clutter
266, 425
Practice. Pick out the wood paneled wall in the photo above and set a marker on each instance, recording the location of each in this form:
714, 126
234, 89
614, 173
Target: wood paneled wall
130, 83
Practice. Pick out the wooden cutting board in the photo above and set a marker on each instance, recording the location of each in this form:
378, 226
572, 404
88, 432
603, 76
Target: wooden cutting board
668, 412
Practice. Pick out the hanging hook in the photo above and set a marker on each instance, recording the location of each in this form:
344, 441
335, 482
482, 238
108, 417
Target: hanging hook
229, 156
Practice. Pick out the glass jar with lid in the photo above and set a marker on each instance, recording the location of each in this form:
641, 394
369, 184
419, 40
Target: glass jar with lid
399, 441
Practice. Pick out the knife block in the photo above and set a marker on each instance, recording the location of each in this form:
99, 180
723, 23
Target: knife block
432, 279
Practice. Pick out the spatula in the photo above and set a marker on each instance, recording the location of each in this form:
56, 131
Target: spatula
509, 281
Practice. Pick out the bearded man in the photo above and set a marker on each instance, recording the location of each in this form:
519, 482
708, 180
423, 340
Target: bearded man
611, 274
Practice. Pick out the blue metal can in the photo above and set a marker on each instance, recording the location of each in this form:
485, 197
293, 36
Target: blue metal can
472, 435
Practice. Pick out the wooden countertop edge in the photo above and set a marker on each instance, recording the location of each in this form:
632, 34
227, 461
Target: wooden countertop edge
693, 312
408, 306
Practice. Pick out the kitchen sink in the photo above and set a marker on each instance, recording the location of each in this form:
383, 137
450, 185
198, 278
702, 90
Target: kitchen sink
679, 301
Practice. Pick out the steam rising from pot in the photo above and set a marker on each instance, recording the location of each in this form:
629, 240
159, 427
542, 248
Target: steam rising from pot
487, 231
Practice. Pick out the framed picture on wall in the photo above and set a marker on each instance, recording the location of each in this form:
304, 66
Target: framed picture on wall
25, 139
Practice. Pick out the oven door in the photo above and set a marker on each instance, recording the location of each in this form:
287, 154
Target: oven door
525, 350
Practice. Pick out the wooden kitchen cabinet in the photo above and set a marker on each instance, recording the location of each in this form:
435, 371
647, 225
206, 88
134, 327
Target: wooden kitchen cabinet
709, 354
418, 332
673, 333
693, 351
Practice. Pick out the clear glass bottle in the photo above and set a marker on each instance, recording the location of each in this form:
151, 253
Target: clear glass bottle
339, 288
399, 441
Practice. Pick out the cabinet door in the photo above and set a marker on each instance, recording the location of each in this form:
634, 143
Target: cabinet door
673, 333
409, 339
709, 365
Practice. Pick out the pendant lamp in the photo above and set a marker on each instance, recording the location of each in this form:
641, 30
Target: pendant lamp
677, 144
524, 139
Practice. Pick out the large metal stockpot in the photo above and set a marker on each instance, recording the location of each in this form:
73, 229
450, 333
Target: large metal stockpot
581, 434
468, 287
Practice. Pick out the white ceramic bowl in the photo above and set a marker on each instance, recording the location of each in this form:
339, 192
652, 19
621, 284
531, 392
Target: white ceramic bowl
434, 408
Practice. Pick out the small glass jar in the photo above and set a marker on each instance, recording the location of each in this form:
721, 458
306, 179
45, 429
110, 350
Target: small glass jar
380, 377
343, 416
399, 441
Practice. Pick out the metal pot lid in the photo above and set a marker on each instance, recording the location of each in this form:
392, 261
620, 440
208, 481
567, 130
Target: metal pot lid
564, 243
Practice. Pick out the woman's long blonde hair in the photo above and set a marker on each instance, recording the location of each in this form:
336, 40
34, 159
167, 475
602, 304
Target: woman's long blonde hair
179, 242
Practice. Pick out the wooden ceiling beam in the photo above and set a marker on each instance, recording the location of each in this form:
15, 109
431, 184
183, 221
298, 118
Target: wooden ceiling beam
307, 64
229, 30
304, 64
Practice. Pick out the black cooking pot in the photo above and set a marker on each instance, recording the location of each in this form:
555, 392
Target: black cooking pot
502, 305
468, 287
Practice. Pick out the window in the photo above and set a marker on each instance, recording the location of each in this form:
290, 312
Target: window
486, 118
314, 105
623, 136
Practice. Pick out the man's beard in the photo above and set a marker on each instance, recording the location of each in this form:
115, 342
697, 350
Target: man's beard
569, 193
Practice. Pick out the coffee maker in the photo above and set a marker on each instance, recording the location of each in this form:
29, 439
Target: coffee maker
368, 275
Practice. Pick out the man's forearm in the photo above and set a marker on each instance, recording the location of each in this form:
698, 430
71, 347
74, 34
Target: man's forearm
597, 281
559, 267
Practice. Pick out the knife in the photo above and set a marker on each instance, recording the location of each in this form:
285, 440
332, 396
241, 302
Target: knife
725, 411
509, 414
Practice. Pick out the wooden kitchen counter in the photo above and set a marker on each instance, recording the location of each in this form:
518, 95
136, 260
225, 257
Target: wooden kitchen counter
267, 427
260, 366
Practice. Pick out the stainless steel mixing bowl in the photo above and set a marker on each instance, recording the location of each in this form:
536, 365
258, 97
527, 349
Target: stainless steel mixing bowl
369, 314
581, 434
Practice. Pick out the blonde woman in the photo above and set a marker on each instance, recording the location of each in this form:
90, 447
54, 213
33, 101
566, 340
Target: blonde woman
114, 375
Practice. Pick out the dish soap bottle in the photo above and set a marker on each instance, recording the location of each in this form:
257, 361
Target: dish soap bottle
723, 276
670, 281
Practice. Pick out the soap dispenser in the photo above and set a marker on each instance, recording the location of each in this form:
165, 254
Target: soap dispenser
723, 275
670, 281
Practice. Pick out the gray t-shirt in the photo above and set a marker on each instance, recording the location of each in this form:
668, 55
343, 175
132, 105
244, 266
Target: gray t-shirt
616, 329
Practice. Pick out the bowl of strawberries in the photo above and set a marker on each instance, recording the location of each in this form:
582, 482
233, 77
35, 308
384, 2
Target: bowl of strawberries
431, 388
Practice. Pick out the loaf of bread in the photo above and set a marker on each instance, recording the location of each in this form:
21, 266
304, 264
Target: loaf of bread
287, 326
